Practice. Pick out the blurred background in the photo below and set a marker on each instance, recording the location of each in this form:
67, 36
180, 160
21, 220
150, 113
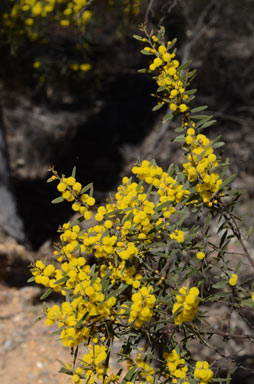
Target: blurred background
70, 95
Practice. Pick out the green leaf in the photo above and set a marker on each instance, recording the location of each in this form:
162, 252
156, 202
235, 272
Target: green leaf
169, 116
247, 303
207, 221
117, 291
49, 180
218, 145
162, 88
223, 238
220, 284
158, 106
59, 199
137, 37
172, 44
62, 280
180, 129
207, 124
227, 181
179, 139
146, 52
143, 70
170, 169
78, 324
129, 375
183, 66
73, 173
88, 186
190, 92
31, 279
162, 33
77, 221
199, 109
65, 370
46, 293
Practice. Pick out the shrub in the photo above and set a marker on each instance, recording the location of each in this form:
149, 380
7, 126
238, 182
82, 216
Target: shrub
156, 266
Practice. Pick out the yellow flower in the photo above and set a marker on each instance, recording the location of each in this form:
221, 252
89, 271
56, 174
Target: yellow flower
233, 279
85, 67
200, 255
183, 107
29, 21
65, 23
36, 64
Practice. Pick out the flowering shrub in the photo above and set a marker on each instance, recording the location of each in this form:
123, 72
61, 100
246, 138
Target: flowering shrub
42, 23
155, 266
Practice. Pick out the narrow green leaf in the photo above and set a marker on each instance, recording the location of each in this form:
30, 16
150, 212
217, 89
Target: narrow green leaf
31, 279
183, 66
218, 145
81, 320
158, 106
143, 70
162, 88
59, 199
207, 124
137, 37
129, 375
169, 116
179, 139
190, 92
179, 129
172, 44
199, 109
227, 181
117, 291
73, 173
146, 53
223, 238
46, 293
247, 303
62, 280
162, 33
220, 284
65, 370
88, 186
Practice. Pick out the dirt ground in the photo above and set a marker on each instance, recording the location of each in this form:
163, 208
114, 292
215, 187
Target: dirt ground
28, 352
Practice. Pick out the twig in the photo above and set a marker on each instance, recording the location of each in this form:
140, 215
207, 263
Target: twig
234, 227
171, 6
199, 29
148, 10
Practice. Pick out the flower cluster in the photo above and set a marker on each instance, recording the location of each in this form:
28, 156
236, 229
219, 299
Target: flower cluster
202, 372
176, 365
171, 79
141, 309
187, 302
201, 164
146, 372
233, 279
63, 12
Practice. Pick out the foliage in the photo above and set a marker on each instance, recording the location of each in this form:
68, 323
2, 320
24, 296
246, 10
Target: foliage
144, 268
61, 34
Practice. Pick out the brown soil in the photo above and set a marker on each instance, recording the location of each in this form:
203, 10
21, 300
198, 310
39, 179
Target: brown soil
28, 352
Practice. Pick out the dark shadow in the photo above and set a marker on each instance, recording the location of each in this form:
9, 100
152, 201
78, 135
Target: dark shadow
14, 271
126, 117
